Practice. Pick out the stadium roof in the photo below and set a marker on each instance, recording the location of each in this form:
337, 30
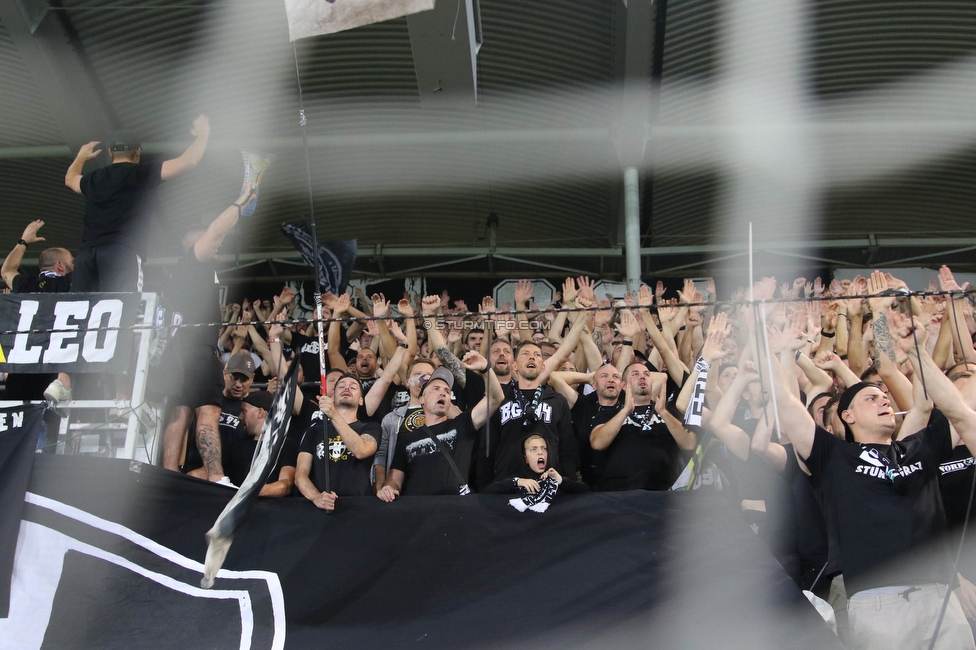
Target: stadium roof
536, 132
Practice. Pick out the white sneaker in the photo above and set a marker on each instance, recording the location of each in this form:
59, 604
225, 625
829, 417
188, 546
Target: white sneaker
226, 481
57, 392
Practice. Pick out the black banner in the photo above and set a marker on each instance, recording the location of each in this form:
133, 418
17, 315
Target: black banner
112, 552
66, 332
19, 428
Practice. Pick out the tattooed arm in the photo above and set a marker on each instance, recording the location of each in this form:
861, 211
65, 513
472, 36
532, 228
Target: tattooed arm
208, 440
899, 387
439, 345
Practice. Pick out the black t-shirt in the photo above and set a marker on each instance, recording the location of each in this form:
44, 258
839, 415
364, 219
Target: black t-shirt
956, 483
230, 427
420, 459
242, 451
119, 200
553, 422
884, 502
191, 296
811, 527
643, 455
43, 282
350, 476
591, 461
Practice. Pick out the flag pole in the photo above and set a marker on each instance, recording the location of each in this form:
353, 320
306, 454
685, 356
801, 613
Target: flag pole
303, 121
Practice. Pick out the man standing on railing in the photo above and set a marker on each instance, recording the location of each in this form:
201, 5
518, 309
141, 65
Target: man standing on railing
195, 374
118, 201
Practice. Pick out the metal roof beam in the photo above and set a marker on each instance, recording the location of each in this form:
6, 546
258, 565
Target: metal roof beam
52, 53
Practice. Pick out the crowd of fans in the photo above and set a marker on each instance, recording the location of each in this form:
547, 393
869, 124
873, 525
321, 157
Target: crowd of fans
838, 420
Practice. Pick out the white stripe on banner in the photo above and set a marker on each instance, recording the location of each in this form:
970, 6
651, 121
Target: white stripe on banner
37, 572
274, 584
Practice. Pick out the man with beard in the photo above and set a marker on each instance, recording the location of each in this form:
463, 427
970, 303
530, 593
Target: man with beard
343, 441
419, 465
584, 410
254, 411
531, 405
502, 360
642, 440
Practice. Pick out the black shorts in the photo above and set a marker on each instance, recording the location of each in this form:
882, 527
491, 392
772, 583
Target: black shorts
107, 267
203, 376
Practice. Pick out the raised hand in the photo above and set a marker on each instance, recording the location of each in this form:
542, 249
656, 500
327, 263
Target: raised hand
644, 298
430, 305
877, 284
586, 288
718, 330
659, 291
341, 305
405, 308
381, 306
87, 151
523, 293
627, 327
396, 331
201, 126
947, 281
30, 232
487, 305
475, 362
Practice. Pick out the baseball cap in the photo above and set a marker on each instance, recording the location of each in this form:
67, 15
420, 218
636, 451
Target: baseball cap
241, 363
443, 374
125, 140
260, 398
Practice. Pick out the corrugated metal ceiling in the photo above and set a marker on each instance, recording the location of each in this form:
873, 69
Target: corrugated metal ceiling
543, 66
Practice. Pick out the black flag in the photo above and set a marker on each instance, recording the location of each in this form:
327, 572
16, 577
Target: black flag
336, 258
266, 454
19, 428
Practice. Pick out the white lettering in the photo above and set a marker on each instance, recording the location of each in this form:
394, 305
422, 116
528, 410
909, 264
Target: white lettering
92, 352
18, 419
57, 351
3, 421
20, 353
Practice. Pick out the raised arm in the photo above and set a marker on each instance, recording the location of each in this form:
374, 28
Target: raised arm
378, 390
675, 368
940, 388
360, 446
72, 178
336, 361
207, 246
686, 439
480, 413
11, 264
189, 158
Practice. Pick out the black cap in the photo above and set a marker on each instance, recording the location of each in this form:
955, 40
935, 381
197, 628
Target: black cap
261, 399
125, 140
442, 374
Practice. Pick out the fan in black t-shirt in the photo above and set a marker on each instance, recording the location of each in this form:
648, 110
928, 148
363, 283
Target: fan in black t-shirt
337, 448
254, 409
419, 465
118, 202
55, 270
882, 496
643, 440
